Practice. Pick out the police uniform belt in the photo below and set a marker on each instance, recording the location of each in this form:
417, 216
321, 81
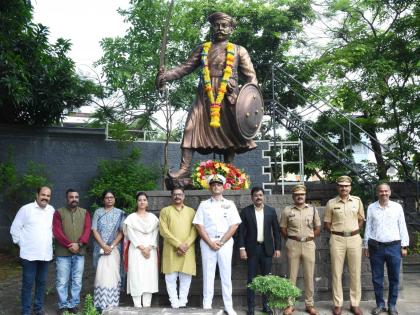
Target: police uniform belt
300, 239
346, 234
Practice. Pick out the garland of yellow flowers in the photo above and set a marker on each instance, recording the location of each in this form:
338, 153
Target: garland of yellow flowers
215, 104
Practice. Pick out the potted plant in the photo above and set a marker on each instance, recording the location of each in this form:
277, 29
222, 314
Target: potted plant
279, 291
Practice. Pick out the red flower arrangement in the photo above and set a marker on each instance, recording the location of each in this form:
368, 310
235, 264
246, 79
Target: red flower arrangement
236, 179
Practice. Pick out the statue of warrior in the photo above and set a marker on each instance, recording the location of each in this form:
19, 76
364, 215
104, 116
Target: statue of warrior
211, 125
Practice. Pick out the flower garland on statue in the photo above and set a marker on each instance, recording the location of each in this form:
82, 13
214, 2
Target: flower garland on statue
236, 179
215, 104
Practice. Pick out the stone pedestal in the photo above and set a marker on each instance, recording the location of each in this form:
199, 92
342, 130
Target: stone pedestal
160, 199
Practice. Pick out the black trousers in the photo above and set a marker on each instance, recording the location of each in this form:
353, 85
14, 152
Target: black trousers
258, 264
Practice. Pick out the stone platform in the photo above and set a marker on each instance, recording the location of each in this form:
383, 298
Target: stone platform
159, 199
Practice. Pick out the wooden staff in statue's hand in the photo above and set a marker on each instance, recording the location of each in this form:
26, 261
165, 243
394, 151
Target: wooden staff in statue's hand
160, 77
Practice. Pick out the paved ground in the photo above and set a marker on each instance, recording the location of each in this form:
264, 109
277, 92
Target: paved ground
408, 304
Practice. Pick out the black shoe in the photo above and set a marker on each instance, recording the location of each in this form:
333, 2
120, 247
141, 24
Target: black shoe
378, 310
392, 311
74, 310
250, 312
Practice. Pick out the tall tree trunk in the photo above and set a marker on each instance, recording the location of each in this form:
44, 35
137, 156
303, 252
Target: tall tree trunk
382, 166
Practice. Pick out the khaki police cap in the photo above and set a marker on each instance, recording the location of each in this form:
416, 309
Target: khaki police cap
299, 189
344, 180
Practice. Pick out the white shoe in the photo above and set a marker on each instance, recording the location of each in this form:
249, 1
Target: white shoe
231, 312
206, 307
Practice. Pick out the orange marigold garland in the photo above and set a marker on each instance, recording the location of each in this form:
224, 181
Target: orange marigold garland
215, 104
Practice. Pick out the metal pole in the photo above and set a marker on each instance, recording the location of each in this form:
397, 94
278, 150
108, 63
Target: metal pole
301, 164
274, 123
282, 168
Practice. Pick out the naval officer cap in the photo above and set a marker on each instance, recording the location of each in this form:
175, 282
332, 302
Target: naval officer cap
299, 189
344, 180
216, 178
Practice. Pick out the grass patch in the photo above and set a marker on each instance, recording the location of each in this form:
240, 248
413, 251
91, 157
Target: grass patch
9, 266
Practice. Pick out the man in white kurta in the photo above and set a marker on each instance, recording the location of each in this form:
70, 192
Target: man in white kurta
216, 221
178, 259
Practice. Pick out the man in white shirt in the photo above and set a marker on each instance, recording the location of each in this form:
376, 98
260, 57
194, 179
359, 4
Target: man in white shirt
216, 221
386, 240
32, 231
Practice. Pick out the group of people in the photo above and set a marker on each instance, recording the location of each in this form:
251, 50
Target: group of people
132, 243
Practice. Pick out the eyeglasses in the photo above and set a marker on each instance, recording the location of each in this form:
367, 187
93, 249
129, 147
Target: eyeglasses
178, 195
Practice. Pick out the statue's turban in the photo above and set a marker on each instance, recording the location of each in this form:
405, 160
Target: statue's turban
221, 16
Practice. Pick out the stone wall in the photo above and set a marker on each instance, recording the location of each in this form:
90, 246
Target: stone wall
71, 157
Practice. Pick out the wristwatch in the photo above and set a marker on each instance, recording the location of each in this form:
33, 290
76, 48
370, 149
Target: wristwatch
403, 247
80, 244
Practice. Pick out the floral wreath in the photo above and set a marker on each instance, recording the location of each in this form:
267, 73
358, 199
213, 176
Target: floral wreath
236, 179
215, 104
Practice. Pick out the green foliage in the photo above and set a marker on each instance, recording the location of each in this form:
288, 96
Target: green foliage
370, 70
280, 292
415, 248
88, 307
125, 177
18, 189
38, 82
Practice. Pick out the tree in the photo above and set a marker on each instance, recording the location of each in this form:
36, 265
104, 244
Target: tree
38, 82
371, 70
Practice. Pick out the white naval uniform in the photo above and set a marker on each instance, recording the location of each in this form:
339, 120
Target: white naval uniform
217, 217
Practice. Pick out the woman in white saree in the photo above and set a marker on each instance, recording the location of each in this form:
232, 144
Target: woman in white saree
142, 230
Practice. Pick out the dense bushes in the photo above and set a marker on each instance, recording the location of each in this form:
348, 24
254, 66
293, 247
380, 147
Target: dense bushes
125, 177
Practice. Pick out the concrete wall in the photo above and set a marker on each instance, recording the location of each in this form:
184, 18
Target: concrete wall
71, 157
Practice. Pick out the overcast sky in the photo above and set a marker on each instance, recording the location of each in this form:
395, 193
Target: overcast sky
83, 22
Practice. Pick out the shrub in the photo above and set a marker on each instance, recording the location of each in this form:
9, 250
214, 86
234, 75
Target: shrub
279, 291
125, 177
18, 189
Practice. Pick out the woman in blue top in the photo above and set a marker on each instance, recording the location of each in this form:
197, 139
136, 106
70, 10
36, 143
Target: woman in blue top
106, 229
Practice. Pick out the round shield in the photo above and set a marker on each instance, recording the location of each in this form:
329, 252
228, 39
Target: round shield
249, 110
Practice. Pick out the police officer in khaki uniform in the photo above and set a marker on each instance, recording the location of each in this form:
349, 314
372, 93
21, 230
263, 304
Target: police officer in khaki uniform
300, 224
344, 216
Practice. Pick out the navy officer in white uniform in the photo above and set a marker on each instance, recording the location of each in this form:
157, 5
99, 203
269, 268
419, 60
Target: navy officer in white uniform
216, 221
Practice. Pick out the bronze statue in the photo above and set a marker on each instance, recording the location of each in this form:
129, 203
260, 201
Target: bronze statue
199, 135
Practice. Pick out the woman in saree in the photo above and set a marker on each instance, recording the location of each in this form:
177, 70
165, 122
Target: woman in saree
107, 232
142, 230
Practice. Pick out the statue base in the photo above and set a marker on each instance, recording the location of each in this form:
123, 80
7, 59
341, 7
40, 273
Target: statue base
171, 183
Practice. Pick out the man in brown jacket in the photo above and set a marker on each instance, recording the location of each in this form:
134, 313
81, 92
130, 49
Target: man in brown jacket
71, 228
